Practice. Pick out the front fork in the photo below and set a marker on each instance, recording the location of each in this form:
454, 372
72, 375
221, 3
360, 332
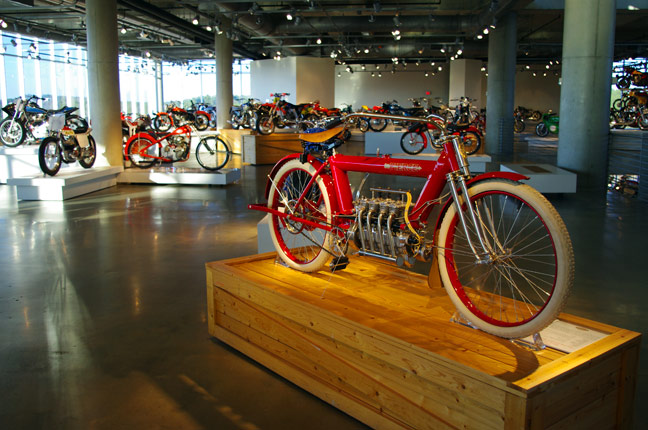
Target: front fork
482, 251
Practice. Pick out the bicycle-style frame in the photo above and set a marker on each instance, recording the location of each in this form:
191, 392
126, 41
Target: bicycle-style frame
184, 130
451, 166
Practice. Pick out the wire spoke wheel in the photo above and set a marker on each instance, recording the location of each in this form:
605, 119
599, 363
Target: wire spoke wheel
412, 142
301, 246
520, 286
212, 153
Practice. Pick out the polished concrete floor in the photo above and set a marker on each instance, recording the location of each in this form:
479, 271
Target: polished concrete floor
103, 308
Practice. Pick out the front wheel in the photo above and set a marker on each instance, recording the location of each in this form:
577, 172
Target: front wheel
363, 124
520, 286
212, 153
302, 247
88, 154
542, 130
266, 124
518, 126
642, 119
471, 142
412, 142
50, 156
12, 132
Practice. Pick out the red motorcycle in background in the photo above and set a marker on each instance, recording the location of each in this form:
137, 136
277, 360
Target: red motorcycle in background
419, 135
144, 149
176, 116
632, 76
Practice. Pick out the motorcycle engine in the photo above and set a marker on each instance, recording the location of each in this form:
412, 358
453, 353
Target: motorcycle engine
177, 148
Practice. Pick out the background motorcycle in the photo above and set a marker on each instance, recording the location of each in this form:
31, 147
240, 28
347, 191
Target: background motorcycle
25, 116
548, 124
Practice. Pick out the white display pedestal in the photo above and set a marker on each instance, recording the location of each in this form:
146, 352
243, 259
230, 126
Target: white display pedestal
66, 184
544, 177
21, 162
179, 176
387, 142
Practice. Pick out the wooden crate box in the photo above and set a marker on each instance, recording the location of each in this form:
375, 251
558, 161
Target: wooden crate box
377, 342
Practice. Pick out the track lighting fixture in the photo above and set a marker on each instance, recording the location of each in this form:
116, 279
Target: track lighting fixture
290, 15
396, 21
372, 18
379, 75
366, 50
13, 42
485, 31
196, 20
3, 23
123, 30
319, 41
443, 50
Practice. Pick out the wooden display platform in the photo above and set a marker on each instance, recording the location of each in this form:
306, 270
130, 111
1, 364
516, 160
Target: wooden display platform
376, 342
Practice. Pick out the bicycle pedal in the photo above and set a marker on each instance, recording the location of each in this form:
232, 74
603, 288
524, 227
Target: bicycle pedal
339, 263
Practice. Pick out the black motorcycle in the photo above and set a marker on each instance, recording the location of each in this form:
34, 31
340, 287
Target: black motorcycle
65, 146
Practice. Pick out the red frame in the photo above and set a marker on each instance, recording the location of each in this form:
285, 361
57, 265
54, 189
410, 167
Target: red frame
182, 130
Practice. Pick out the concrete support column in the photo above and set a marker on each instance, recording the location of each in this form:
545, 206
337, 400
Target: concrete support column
103, 80
159, 87
501, 85
224, 98
588, 48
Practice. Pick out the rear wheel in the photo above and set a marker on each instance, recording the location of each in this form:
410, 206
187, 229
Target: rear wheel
212, 153
141, 152
300, 246
471, 142
12, 133
50, 156
521, 286
412, 142
88, 154
363, 124
623, 82
518, 126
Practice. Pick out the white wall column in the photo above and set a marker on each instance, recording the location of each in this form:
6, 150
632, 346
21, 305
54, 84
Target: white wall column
466, 80
103, 79
224, 96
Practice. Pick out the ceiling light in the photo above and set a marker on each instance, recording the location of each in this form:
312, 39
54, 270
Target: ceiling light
3, 23
547, 66
373, 74
209, 28
123, 30
418, 63
485, 30
366, 50
339, 75
534, 74
427, 74
377, 66
319, 41
440, 68
289, 16
632, 7
442, 50
432, 63
483, 69
480, 36
379, 75
371, 18
396, 20
148, 54
363, 67
527, 67
196, 20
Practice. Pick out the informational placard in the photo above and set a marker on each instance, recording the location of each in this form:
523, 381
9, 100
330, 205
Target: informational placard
567, 337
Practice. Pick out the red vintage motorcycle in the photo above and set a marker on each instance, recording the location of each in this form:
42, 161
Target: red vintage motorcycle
176, 116
419, 135
144, 149
632, 76
503, 252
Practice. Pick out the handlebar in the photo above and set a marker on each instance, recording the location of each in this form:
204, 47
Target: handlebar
437, 120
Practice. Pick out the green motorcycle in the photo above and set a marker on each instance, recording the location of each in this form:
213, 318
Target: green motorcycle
548, 124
